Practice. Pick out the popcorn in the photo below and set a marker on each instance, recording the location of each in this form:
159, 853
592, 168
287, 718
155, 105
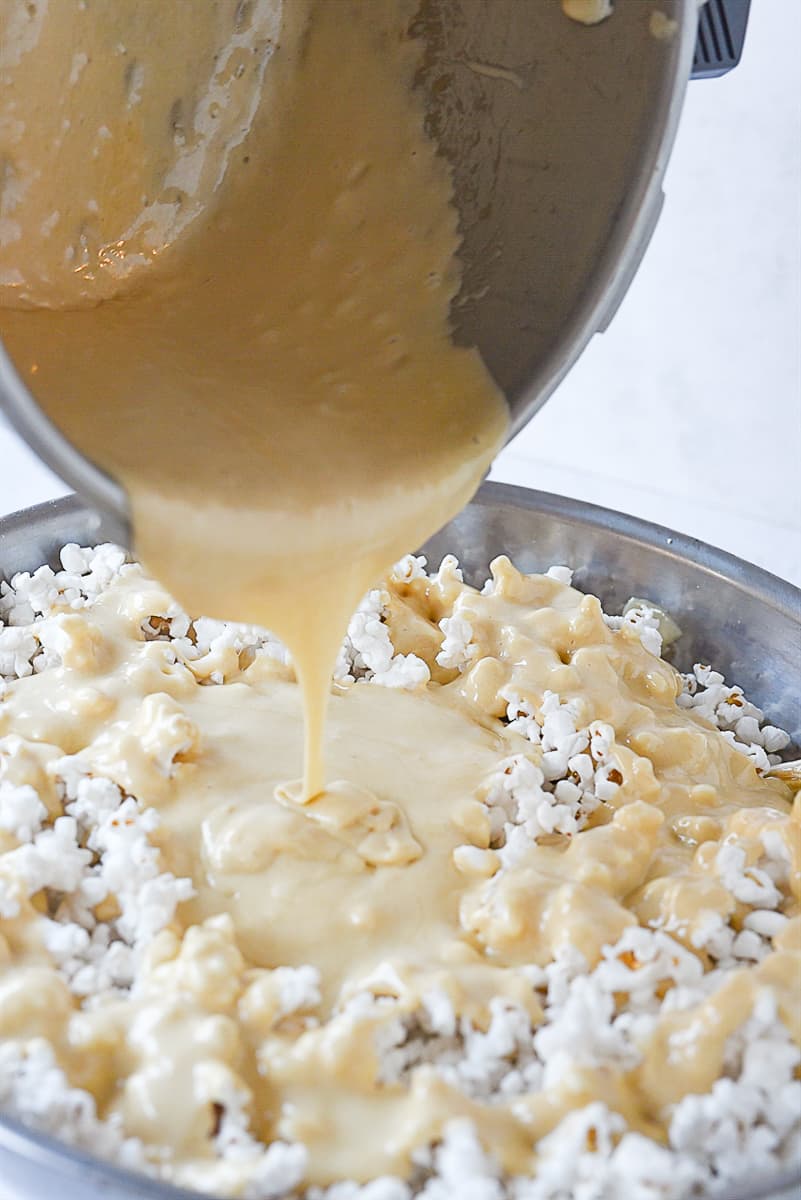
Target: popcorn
521, 715
21, 811
9, 899
575, 774
750, 885
619, 1163
773, 739
129, 869
165, 732
35, 1090
92, 963
282, 992
408, 568
83, 877
368, 653
99, 848
298, 988
746, 1127
765, 923
18, 650
271, 1171
386, 1188
457, 650
742, 723
54, 859
649, 623
440, 1012
86, 573
93, 798
463, 1166
214, 651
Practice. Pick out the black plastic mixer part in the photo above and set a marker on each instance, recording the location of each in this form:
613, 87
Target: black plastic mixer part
721, 33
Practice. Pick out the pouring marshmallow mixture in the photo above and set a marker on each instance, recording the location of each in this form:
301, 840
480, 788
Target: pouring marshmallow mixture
261, 353
534, 930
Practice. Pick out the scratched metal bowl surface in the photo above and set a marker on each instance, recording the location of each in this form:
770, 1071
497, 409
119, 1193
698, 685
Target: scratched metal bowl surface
745, 621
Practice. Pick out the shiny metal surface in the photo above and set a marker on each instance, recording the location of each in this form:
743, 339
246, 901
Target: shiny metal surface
558, 135
745, 621
558, 161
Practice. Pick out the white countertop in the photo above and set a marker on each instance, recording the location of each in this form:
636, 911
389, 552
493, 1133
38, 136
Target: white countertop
693, 395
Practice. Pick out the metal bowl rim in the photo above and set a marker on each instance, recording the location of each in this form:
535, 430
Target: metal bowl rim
774, 590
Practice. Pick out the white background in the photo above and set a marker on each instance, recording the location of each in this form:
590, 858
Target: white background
693, 396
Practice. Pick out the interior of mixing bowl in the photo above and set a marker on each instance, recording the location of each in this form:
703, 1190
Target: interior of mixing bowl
745, 621
558, 135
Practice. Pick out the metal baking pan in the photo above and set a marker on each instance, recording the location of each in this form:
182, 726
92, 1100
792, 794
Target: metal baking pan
736, 616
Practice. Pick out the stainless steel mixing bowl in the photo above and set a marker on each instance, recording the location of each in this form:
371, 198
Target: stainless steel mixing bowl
559, 136
745, 621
